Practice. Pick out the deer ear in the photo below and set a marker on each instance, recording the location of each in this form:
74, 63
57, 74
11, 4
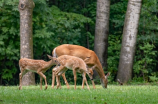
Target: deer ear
49, 56
107, 74
90, 71
94, 67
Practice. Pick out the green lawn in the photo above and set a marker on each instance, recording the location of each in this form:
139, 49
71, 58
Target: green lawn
115, 94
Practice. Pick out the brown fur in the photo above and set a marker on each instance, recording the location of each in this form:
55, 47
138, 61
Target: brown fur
74, 63
38, 66
83, 53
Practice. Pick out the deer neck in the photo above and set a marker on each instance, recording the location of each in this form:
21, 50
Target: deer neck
99, 69
100, 72
49, 64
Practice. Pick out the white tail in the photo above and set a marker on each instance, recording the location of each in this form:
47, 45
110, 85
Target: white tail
38, 66
75, 64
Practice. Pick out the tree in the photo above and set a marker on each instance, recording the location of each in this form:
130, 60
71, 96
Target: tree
129, 40
26, 38
102, 31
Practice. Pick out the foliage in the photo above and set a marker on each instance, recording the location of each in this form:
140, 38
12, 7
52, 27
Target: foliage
113, 95
69, 24
113, 54
86, 8
9, 39
145, 63
117, 16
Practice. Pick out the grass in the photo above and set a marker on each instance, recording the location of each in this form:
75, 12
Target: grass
115, 94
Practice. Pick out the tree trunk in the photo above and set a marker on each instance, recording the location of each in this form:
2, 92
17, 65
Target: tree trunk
102, 31
129, 40
26, 38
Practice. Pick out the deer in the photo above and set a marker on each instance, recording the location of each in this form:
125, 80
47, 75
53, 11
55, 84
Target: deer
74, 63
62, 72
38, 66
89, 57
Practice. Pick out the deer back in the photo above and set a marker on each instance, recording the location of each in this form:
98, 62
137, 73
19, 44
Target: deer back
33, 65
71, 62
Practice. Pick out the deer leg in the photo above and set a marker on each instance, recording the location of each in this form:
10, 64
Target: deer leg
57, 80
67, 84
63, 75
75, 77
43, 76
20, 80
53, 78
83, 83
93, 67
54, 73
59, 69
84, 76
20, 77
40, 82
93, 84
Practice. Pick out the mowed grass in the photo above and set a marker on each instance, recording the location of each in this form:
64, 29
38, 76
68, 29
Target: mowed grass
114, 94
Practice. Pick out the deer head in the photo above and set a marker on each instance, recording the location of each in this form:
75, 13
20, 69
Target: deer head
54, 60
104, 82
90, 73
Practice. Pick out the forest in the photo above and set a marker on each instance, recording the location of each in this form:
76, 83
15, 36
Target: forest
57, 22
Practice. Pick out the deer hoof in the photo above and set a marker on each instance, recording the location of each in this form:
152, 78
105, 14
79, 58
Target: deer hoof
19, 88
45, 87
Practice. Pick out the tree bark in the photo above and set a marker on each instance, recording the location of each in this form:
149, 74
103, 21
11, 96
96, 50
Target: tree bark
102, 31
26, 38
130, 30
